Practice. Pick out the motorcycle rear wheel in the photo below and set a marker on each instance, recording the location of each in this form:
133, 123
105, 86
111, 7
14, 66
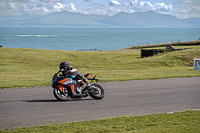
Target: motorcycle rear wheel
61, 96
97, 92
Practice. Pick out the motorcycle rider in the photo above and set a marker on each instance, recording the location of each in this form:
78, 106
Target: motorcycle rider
170, 47
69, 72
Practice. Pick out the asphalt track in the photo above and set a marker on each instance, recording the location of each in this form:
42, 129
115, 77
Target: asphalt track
34, 106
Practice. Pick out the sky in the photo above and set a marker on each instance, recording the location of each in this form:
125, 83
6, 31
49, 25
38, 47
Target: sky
22, 9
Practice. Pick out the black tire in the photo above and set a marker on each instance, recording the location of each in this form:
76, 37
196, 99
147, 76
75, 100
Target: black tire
60, 96
97, 92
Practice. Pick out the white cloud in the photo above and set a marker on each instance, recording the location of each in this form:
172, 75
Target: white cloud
188, 9
143, 7
35, 7
44, 7
114, 3
13, 6
58, 7
86, 0
133, 3
163, 7
72, 7
114, 7
145, 4
188, 1
7, 8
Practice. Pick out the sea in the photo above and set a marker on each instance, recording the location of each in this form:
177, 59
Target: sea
92, 39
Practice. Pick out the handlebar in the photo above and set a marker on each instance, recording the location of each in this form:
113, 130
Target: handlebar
94, 78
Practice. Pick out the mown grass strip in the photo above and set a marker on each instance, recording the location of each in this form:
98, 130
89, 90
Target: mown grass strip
35, 67
179, 122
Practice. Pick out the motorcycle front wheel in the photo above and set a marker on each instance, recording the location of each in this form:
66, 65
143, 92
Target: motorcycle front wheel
96, 92
61, 96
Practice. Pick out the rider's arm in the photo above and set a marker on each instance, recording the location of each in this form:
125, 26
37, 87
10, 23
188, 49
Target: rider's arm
73, 70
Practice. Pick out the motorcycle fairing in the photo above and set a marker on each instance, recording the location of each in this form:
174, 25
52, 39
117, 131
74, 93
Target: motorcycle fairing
88, 75
60, 87
67, 82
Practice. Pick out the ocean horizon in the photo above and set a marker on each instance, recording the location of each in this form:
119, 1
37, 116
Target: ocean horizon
75, 39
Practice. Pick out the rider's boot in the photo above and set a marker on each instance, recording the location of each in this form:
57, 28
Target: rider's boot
78, 90
88, 85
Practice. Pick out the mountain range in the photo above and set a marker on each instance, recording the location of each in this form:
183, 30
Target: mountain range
121, 20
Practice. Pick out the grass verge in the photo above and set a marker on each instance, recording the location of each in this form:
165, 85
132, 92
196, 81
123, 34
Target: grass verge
189, 44
35, 67
179, 122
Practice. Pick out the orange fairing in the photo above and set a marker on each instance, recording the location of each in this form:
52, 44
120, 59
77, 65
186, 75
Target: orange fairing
63, 80
89, 75
60, 87
67, 82
72, 88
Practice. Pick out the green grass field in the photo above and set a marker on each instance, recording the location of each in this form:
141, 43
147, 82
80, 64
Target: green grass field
179, 122
35, 67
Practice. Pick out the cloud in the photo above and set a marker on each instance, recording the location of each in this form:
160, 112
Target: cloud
114, 3
188, 1
58, 7
135, 6
133, 3
188, 9
72, 7
35, 7
163, 7
44, 7
113, 7
144, 6
86, 0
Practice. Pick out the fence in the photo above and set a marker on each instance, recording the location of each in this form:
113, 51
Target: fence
152, 52
89, 50
164, 42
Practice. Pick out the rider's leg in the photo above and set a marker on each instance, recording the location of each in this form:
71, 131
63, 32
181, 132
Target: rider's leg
79, 75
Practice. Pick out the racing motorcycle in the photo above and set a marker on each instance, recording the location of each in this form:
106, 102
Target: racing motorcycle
72, 88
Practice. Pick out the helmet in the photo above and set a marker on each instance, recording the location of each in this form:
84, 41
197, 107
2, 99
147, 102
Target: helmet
63, 66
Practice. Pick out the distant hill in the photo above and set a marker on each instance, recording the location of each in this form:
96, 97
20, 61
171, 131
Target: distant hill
121, 20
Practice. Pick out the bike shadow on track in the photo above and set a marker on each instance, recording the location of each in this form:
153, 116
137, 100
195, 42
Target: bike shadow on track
54, 100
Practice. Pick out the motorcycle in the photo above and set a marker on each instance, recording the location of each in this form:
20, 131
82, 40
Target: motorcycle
72, 88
